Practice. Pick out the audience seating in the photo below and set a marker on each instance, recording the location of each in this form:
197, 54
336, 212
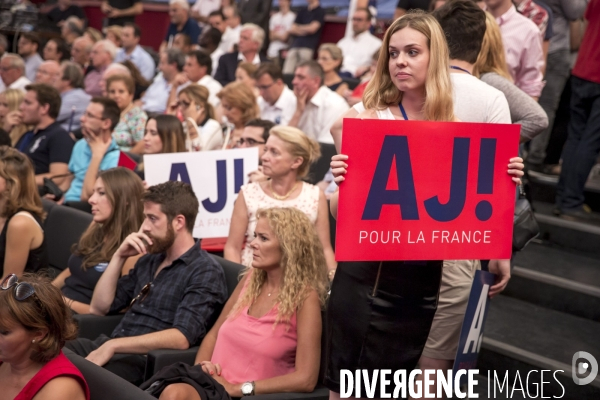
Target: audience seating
105, 385
80, 205
318, 170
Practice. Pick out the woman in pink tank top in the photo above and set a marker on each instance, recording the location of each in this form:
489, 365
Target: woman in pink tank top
34, 325
268, 336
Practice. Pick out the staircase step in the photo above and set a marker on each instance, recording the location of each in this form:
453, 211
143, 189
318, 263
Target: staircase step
543, 188
522, 337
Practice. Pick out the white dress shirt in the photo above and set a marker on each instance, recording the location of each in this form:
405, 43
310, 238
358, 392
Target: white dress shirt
215, 55
213, 87
358, 50
320, 113
282, 111
20, 83
230, 37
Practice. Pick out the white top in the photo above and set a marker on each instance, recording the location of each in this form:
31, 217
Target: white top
20, 83
320, 113
230, 37
255, 197
282, 111
213, 87
210, 137
205, 7
279, 24
255, 60
358, 50
215, 55
476, 101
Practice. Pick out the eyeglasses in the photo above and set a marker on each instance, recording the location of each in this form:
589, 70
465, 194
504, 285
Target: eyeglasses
88, 115
142, 295
249, 141
23, 290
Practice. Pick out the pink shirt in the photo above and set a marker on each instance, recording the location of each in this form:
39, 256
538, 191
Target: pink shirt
249, 349
523, 47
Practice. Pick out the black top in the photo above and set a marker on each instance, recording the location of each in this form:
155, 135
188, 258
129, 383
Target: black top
121, 5
80, 285
46, 146
56, 14
187, 295
37, 258
335, 86
414, 4
305, 17
228, 63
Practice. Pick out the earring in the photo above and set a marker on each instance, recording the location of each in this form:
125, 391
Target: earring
33, 341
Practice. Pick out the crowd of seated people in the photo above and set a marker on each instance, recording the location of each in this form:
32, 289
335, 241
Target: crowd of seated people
73, 106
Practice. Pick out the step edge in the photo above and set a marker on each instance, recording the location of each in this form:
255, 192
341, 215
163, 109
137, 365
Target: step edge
557, 281
563, 223
532, 358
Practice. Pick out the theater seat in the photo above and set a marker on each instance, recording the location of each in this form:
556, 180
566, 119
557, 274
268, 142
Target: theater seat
105, 385
92, 326
318, 170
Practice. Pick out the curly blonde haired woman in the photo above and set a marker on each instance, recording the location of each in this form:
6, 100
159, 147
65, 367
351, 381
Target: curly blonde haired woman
267, 338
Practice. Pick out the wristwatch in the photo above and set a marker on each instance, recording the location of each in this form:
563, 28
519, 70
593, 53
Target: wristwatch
248, 388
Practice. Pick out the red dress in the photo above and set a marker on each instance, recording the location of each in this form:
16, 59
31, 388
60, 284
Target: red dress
58, 366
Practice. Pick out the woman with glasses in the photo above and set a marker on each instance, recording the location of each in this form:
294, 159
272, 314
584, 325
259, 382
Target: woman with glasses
202, 131
286, 160
239, 106
22, 242
267, 338
130, 130
117, 211
35, 323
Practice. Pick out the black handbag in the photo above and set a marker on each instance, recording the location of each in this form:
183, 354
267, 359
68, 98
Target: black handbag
525, 225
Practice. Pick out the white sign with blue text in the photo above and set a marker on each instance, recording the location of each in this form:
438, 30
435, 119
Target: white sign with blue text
216, 177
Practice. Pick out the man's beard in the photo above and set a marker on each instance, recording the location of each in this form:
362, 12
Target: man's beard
162, 244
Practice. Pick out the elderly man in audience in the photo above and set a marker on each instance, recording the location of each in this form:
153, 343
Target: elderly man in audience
71, 29
48, 145
171, 296
74, 99
29, 44
251, 40
209, 42
12, 71
98, 152
277, 102
317, 107
157, 95
48, 72
306, 32
359, 48
81, 50
131, 50
111, 70
103, 54
197, 69
179, 12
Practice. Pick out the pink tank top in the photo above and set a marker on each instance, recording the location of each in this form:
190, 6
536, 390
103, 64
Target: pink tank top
249, 349
57, 367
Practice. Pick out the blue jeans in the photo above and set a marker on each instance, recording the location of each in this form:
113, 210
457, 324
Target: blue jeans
582, 146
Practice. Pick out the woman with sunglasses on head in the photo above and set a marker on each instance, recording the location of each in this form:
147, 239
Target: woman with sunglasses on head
35, 323
118, 211
203, 132
268, 336
22, 242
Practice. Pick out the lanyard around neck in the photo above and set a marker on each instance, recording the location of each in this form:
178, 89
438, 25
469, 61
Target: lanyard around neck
403, 112
460, 69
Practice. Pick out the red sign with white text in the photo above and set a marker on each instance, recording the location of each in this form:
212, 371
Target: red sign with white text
419, 190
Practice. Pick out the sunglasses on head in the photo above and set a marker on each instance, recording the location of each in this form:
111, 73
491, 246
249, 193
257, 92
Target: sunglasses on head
23, 290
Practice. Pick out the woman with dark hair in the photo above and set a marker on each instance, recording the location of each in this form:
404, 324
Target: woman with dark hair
22, 242
330, 59
56, 50
141, 84
203, 132
35, 323
164, 134
117, 210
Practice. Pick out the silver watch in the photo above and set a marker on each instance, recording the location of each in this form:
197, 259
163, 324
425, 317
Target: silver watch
248, 388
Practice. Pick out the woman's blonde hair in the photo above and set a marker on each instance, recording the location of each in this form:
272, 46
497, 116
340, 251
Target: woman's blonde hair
99, 242
491, 57
14, 98
21, 191
240, 96
199, 95
302, 262
335, 52
249, 68
299, 145
381, 91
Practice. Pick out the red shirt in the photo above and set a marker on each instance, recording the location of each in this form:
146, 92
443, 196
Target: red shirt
588, 61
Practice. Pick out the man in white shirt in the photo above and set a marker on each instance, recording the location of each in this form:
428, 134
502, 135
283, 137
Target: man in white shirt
231, 35
359, 48
317, 106
279, 28
202, 9
277, 102
28, 46
156, 96
12, 71
131, 50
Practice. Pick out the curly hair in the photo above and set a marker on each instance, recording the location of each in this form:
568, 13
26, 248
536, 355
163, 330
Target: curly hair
302, 262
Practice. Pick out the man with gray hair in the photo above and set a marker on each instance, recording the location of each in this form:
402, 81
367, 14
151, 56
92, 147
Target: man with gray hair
179, 13
317, 107
74, 99
80, 51
102, 55
12, 71
47, 72
71, 29
171, 63
111, 70
251, 41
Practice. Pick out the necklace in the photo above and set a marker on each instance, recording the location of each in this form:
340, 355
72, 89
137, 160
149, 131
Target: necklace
285, 196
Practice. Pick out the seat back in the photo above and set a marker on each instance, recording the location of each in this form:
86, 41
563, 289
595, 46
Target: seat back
232, 273
318, 170
48, 205
63, 228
